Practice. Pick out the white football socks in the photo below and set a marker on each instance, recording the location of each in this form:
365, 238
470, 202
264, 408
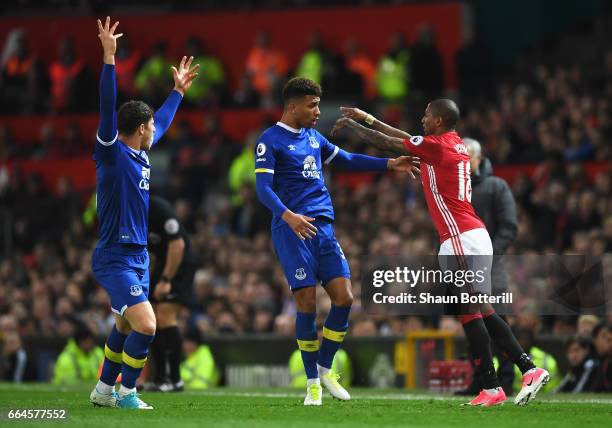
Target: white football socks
322, 370
103, 388
123, 391
316, 381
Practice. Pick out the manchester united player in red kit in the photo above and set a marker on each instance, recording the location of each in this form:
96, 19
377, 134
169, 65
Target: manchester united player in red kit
445, 174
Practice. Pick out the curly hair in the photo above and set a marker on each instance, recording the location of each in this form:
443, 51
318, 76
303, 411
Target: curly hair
300, 87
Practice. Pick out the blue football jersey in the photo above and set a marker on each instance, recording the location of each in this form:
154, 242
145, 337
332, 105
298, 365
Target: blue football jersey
123, 173
296, 159
122, 191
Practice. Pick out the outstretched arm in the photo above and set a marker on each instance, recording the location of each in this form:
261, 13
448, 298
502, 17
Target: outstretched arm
359, 162
107, 128
372, 137
360, 115
183, 78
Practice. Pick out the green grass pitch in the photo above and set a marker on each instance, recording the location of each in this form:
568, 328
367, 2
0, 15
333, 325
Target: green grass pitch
225, 407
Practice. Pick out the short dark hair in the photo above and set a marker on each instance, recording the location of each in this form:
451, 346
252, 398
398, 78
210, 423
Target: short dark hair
82, 333
446, 109
583, 342
300, 87
602, 325
131, 114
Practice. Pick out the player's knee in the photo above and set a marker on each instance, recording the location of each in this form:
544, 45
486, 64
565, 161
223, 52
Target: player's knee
345, 300
146, 327
307, 306
306, 300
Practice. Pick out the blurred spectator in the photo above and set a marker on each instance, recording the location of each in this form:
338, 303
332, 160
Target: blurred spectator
22, 81
493, 202
70, 81
72, 144
246, 96
267, 68
393, 71
602, 340
426, 72
154, 79
242, 171
473, 68
79, 361
15, 366
363, 327
198, 371
583, 372
7, 151
586, 324
312, 64
127, 63
250, 217
358, 62
208, 89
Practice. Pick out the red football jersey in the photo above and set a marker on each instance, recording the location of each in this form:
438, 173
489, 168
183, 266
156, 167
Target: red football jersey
445, 173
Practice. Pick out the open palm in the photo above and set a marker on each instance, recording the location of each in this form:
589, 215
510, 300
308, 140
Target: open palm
107, 36
184, 75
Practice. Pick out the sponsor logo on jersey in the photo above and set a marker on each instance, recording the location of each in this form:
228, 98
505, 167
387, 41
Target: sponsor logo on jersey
300, 274
260, 160
310, 168
261, 149
135, 290
461, 149
313, 142
291, 147
416, 140
146, 175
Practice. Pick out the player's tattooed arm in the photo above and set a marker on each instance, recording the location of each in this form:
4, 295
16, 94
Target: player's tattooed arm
374, 138
360, 115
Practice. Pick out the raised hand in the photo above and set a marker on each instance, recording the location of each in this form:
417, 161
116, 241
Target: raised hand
353, 113
107, 36
183, 77
342, 122
409, 164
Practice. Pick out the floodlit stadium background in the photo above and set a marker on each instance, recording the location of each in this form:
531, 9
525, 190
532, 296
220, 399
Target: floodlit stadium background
533, 80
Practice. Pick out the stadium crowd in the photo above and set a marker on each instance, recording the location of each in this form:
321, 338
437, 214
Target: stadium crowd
552, 114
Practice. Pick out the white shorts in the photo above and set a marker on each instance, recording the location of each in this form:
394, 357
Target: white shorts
470, 251
475, 242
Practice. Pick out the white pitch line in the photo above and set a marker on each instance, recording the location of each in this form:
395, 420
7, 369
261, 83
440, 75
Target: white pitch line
399, 397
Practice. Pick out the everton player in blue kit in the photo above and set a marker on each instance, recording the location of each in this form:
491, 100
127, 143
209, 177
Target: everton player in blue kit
288, 166
120, 261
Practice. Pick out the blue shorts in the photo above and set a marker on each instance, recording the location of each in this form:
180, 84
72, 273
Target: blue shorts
125, 277
306, 262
